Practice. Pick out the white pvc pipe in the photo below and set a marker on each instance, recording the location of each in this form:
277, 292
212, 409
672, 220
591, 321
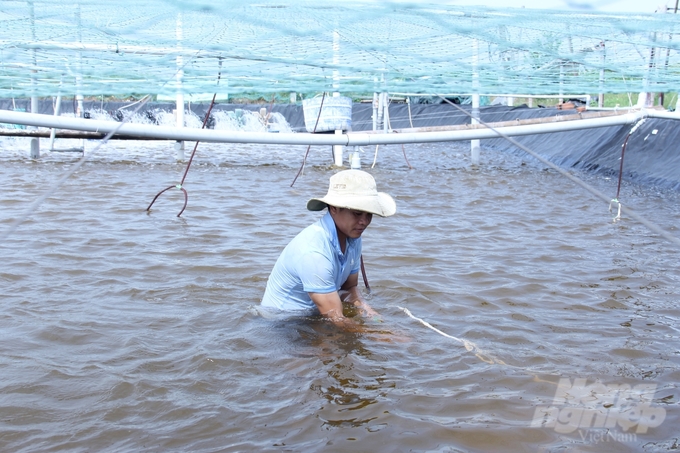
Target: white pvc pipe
350, 139
474, 118
179, 100
375, 110
57, 111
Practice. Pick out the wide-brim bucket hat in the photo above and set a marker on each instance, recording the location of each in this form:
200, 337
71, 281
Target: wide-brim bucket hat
355, 189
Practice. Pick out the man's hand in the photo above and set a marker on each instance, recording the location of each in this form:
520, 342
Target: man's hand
350, 294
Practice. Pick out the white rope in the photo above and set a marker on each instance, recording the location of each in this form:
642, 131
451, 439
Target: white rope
469, 346
375, 157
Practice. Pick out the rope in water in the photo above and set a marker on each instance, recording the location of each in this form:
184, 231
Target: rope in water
653, 227
469, 346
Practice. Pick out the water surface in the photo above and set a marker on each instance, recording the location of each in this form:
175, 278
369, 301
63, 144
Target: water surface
128, 330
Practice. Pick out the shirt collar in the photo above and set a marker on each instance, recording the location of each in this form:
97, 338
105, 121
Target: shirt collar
329, 225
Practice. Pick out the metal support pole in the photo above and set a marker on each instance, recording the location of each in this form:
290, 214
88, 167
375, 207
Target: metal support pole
179, 112
80, 111
386, 111
600, 97
645, 98
35, 142
338, 150
381, 110
561, 100
57, 111
376, 103
474, 119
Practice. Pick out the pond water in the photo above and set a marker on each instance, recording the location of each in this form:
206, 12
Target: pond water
128, 330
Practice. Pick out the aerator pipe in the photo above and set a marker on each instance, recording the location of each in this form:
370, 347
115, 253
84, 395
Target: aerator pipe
351, 139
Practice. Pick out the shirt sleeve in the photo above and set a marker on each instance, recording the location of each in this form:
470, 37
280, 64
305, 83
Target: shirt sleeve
316, 273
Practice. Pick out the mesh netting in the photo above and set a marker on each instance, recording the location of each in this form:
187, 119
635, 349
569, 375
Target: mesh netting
124, 47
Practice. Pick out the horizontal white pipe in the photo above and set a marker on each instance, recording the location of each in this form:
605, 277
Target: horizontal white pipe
347, 139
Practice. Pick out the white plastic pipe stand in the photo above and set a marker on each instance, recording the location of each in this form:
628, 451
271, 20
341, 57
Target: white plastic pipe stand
355, 161
474, 152
35, 148
337, 152
179, 150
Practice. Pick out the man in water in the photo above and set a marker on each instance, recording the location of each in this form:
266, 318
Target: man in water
319, 268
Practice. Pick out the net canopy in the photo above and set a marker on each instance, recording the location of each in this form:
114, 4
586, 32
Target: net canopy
128, 47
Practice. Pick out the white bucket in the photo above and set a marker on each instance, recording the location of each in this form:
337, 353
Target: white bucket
336, 113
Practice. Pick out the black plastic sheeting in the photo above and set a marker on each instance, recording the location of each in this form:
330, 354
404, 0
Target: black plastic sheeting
652, 155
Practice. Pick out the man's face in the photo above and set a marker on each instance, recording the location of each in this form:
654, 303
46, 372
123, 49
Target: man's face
350, 222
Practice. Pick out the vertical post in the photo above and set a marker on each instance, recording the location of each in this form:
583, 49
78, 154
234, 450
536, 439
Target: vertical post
57, 111
79, 113
386, 111
668, 53
337, 149
381, 110
375, 111
474, 119
600, 97
35, 142
561, 100
645, 98
179, 112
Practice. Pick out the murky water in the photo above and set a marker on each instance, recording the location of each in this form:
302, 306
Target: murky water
127, 330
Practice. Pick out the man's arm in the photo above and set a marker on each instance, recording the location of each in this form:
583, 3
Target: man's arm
330, 306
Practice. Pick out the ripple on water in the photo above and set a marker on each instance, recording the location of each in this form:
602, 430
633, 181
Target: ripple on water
134, 330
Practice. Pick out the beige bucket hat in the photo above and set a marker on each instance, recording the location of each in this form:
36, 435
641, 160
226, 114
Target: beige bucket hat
355, 189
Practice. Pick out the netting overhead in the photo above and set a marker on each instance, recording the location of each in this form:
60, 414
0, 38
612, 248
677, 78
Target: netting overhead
124, 47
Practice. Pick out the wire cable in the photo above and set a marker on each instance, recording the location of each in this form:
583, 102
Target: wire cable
653, 227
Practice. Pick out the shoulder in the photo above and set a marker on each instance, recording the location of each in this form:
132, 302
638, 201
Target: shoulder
313, 237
